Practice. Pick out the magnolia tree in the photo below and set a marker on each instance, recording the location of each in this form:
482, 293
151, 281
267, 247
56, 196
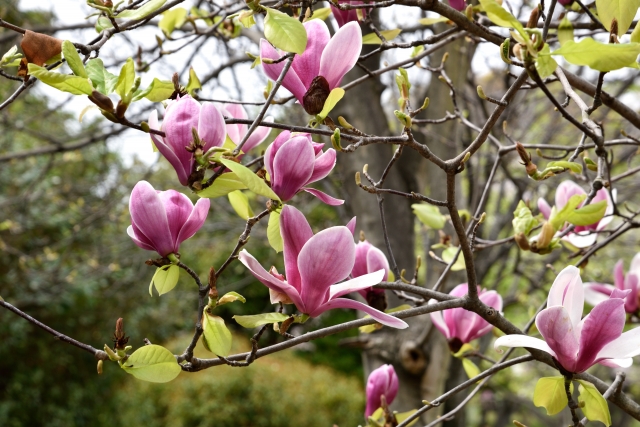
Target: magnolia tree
466, 175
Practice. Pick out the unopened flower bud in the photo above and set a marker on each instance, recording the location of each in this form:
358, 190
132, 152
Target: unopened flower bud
101, 100
545, 236
121, 109
522, 241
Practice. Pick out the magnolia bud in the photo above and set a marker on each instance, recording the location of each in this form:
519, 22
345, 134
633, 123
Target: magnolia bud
101, 100
545, 236
522, 241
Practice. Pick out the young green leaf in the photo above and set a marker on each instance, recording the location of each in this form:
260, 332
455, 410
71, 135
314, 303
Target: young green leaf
635, 35
429, 215
255, 320
216, 337
194, 82
158, 90
545, 64
250, 179
152, 363
10, 56
448, 255
273, 232
500, 16
550, 394
334, 97
470, 368
103, 81
599, 56
70, 55
595, 406
142, 12
572, 166
231, 297
404, 415
589, 214
285, 32
565, 31
622, 11
172, 19
558, 219
223, 185
103, 23
321, 13
126, 79
165, 279
64, 82
240, 203
372, 38
432, 21
523, 221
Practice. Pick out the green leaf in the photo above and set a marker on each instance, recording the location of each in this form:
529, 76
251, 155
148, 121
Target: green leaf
126, 79
429, 215
158, 90
142, 12
73, 59
550, 394
231, 297
273, 231
589, 214
447, 256
400, 417
622, 10
203, 14
172, 19
635, 35
10, 56
565, 31
558, 219
523, 221
431, 21
545, 64
250, 179
255, 320
240, 203
500, 16
152, 363
599, 56
165, 279
103, 23
595, 406
64, 82
103, 81
334, 97
247, 18
572, 166
223, 185
194, 82
285, 32
321, 13
470, 368
372, 38
216, 337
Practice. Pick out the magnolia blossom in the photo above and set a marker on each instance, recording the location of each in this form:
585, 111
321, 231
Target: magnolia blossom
462, 326
370, 259
161, 220
575, 343
582, 236
321, 67
314, 264
382, 382
237, 131
345, 16
594, 293
294, 161
182, 116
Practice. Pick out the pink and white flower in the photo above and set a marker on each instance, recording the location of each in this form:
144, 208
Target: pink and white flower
314, 266
343, 17
595, 293
381, 382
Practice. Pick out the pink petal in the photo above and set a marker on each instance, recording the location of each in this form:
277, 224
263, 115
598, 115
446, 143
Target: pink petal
179, 120
618, 275
325, 259
567, 291
557, 329
376, 260
268, 280
341, 53
257, 137
458, 5
351, 225
167, 151
617, 363
295, 233
565, 191
631, 283
635, 264
492, 299
148, 215
382, 381
438, 322
211, 126
544, 208
603, 325
595, 293
143, 242
234, 131
178, 208
292, 167
273, 148
291, 81
359, 283
323, 164
307, 65
625, 346
360, 264
324, 197
379, 316
518, 340
195, 220
581, 240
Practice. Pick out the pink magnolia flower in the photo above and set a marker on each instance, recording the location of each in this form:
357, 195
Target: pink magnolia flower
183, 115
294, 161
460, 326
345, 16
382, 382
313, 266
577, 344
237, 131
595, 293
370, 259
161, 220
321, 67
582, 236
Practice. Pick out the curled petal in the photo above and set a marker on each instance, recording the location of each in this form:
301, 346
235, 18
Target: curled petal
324, 197
341, 54
617, 363
351, 225
323, 164
595, 293
195, 221
362, 282
379, 316
518, 340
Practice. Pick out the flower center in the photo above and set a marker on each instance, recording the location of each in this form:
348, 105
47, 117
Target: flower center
313, 100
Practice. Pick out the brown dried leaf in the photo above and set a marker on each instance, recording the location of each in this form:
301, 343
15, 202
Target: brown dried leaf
38, 48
